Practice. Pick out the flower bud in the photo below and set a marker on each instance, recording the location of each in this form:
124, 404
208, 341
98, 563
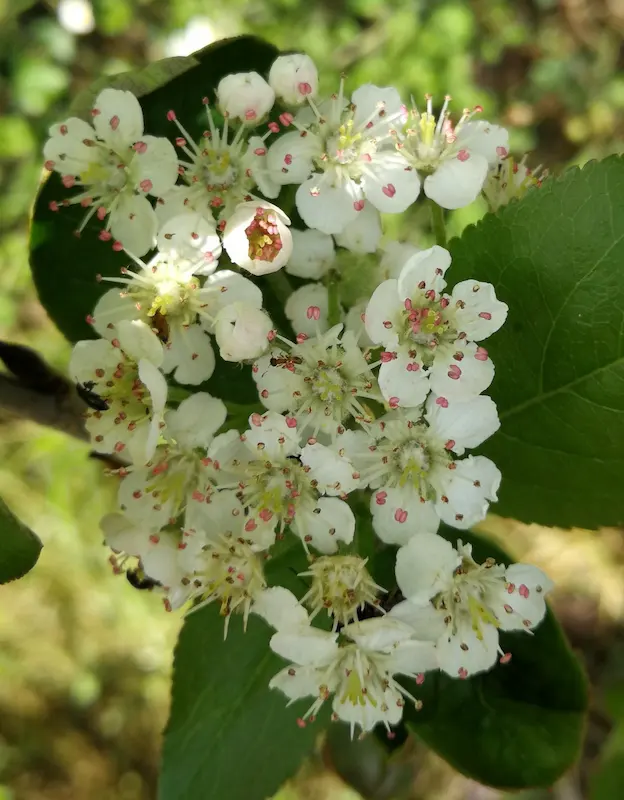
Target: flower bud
242, 331
245, 96
293, 78
257, 237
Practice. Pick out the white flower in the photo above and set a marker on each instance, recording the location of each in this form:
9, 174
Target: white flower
312, 256
453, 160
181, 476
294, 78
359, 672
228, 570
115, 165
342, 586
173, 302
307, 309
242, 331
509, 179
472, 600
220, 170
257, 237
245, 96
165, 556
407, 460
319, 381
124, 373
429, 337
281, 484
342, 154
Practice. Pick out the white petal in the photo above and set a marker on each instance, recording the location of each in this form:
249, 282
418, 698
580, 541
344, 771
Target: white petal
271, 435
117, 118
334, 473
191, 236
376, 108
489, 141
196, 420
289, 159
242, 332
424, 271
138, 341
399, 514
189, 355
313, 254
312, 295
154, 166
133, 222
145, 507
527, 597
225, 287
294, 78
388, 709
245, 96
482, 314
331, 522
378, 633
474, 483
383, 314
425, 566
162, 563
121, 534
477, 655
403, 381
66, 149
464, 377
306, 646
364, 233
426, 622
295, 681
462, 424
215, 515
280, 608
412, 658
112, 307
328, 208
89, 356
457, 183
390, 184
276, 385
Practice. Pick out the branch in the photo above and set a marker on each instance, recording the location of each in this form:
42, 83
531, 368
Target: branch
60, 410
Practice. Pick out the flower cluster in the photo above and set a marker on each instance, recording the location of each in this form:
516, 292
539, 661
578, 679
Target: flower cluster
375, 394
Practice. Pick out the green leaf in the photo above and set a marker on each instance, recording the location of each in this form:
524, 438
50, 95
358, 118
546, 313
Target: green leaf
19, 547
557, 259
229, 735
521, 724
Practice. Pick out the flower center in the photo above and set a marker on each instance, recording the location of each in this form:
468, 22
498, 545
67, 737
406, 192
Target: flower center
263, 236
426, 324
413, 462
277, 489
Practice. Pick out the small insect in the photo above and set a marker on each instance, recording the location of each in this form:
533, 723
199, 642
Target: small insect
160, 326
91, 398
137, 578
285, 361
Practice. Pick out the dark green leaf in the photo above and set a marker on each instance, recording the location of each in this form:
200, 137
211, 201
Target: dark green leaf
19, 547
556, 258
229, 735
517, 726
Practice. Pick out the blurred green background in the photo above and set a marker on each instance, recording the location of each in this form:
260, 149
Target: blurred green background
84, 658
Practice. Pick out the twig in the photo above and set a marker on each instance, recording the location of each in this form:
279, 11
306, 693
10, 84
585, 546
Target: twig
62, 411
